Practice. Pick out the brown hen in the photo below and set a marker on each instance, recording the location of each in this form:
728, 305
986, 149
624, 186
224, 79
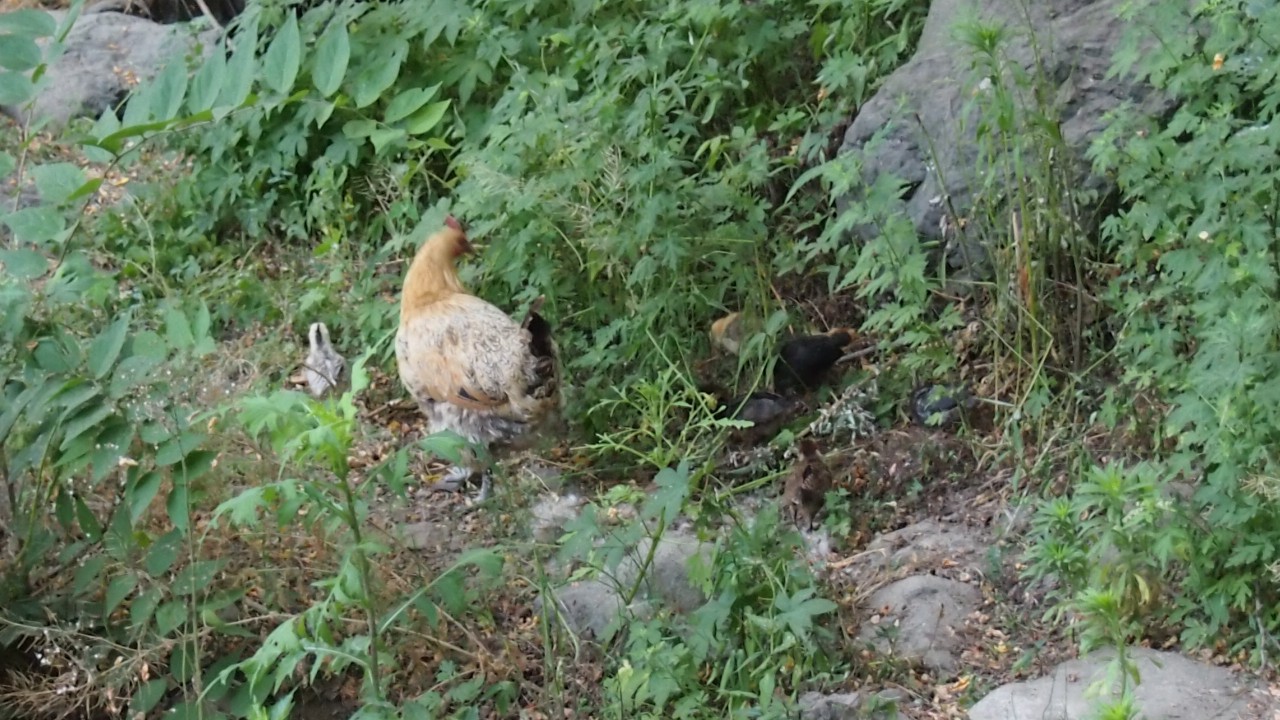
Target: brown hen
470, 367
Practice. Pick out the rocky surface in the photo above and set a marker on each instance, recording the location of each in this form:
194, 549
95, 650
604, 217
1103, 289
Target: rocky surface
106, 54
918, 619
937, 155
1173, 687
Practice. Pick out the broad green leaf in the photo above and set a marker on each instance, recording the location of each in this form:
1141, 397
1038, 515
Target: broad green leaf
178, 448
90, 417
23, 264
16, 87
30, 22
89, 523
356, 129
178, 329
147, 696
57, 181
117, 590
280, 63
88, 574
407, 102
195, 465
169, 616
382, 136
18, 52
161, 556
114, 442
333, 52
143, 607
206, 86
131, 373
139, 497
427, 119
7, 164
177, 506
169, 90
38, 225
105, 349
196, 577
184, 662
88, 188
379, 74
240, 70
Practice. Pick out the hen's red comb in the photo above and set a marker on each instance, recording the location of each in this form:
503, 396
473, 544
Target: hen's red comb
451, 221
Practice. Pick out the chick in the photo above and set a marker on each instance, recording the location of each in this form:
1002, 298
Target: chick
766, 411
324, 368
727, 332
803, 362
935, 405
806, 488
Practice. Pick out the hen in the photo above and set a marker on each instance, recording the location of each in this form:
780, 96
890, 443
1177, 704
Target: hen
470, 367
324, 368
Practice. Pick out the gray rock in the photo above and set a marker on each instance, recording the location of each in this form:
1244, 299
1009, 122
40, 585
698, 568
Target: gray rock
927, 545
1173, 687
922, 615
668, 577
850, 705
938, 154
589, 607
550, 514
106, 54
425, 535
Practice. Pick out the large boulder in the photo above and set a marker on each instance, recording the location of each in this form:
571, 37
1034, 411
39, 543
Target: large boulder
937, 155
107, 54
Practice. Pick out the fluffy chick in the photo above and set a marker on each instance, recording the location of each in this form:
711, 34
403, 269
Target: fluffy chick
806, 488
935, 405
470, 367
804, 361
325, 369
766, 411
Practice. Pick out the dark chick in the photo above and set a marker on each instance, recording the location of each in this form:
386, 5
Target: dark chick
934, 405
766, 411
803, 362
807, 486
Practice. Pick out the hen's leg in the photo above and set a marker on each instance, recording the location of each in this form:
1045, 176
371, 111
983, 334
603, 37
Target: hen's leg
454, 479
486, 485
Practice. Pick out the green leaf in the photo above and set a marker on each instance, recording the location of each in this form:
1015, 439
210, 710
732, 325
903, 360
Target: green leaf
88, 521
240, 69
140, 495
169, 616
18, 52
281, 61
143, 607
196, 464
162, 554
178, 448
177, 507
132, 372
178, 329
7, 162
427, 119
383, 136
105, 349
38, 225
407, 102
380, 73
23, 264
113, 443
30, 22
16, 87
117, 590
333, 52
88, 188
88, 574
169, 90
196, 577
207, 84
90, 417
57, 181
147, 696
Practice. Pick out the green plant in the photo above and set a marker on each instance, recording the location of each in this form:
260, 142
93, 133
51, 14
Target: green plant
1196, 247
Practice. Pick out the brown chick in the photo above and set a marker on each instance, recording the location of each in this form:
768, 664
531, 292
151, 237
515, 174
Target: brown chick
806, 487
470, 367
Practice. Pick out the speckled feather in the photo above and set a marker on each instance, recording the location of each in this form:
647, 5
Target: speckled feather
806, 487
471, 368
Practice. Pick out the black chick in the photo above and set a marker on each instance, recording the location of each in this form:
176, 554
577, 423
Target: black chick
806, 489
766, 411
934, 405
803, 362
